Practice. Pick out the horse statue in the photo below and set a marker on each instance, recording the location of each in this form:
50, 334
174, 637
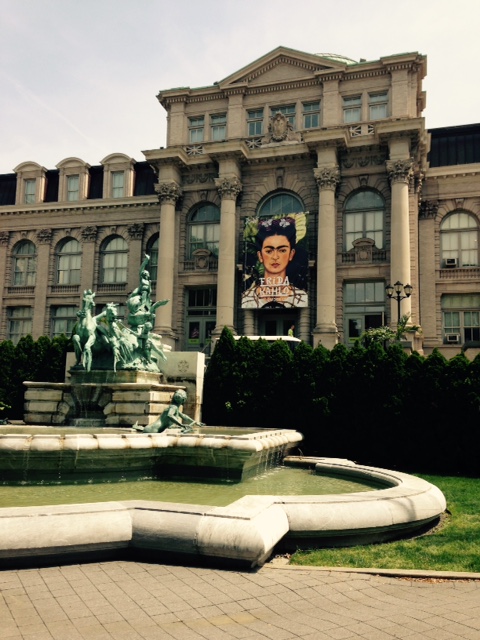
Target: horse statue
84, 331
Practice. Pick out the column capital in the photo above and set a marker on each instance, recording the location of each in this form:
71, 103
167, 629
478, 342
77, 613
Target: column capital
228, 188
168, 192
400, 170
327, 177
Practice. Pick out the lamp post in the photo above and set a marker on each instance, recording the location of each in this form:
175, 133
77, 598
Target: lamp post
399, 292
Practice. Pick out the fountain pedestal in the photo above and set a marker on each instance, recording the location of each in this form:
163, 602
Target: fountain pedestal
113, 399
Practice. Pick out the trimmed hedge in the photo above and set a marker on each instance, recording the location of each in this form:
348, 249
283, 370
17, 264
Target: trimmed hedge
372, 404
37, 361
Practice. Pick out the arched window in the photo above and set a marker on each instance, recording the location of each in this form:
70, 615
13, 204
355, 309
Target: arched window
364, 218
69, 261
152, 251
280, 204
113, 260
204, 229
459, 235
24, 264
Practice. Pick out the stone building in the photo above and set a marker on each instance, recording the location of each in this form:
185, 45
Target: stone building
343, 142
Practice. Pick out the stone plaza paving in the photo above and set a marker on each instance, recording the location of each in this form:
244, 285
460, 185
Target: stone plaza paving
142, 601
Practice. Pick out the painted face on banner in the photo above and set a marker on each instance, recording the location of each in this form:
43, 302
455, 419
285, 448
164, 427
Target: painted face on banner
275, 255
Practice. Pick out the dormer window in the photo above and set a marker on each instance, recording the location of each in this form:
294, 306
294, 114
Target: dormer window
118, 184
118, 176
73, 188
74, 179
30, 190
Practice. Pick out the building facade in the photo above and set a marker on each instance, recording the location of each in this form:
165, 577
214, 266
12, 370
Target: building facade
334, 148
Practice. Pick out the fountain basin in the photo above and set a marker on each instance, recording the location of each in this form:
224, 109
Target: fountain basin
232, 454
245, 532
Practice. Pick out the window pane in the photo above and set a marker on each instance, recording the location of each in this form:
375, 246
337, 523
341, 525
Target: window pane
73, 188
118, 179
30, 188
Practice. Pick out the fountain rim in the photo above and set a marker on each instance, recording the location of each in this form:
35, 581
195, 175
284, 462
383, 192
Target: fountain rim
245, 531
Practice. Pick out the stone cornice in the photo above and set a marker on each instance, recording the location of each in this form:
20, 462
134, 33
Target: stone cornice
51, 208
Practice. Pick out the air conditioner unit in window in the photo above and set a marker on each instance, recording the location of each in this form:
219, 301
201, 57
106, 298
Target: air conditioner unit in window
450, 262
452, 338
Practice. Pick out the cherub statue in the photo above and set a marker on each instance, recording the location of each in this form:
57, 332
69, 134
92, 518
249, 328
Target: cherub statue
171, 418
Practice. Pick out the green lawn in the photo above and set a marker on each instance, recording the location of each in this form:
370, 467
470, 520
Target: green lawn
454, 546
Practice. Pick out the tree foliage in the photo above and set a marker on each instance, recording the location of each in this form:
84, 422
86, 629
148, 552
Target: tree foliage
373, 403
29, 360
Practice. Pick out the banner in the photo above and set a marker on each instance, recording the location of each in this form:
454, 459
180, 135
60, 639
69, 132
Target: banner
275, 262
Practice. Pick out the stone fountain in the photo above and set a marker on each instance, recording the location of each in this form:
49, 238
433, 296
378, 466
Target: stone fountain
116, 382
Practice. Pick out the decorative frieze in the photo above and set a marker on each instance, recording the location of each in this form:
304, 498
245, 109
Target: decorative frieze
361, 161
327, 177
168, 192
400, 170
199, 178
228, 188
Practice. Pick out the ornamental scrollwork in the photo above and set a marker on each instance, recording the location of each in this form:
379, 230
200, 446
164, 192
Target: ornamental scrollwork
327, 177
135, 231
168, 192
428, 209
44, 236
89, 234
400, 170
228, 188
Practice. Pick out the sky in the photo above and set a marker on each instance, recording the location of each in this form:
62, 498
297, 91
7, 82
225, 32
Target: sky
80, 77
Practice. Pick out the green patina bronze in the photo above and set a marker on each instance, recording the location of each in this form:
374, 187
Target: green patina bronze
103, 342
172, 417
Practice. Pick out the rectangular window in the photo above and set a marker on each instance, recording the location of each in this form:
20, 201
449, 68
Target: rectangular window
255, 122
378, 105
461, 318
218, 123
63, 320
287, 110
73, 188
118, 184
19, 323
30, 188
364, 308
311, 115
352, 109
196, 127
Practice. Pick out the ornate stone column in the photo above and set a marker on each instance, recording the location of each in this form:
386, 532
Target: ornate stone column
168, 194
326, 328
228, 188
400, 172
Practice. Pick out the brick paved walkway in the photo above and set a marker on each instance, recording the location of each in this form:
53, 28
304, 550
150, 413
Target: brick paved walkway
141, 601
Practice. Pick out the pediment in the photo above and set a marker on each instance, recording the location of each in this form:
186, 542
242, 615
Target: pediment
282, 64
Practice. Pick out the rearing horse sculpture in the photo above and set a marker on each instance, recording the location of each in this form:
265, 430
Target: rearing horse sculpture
84, 332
